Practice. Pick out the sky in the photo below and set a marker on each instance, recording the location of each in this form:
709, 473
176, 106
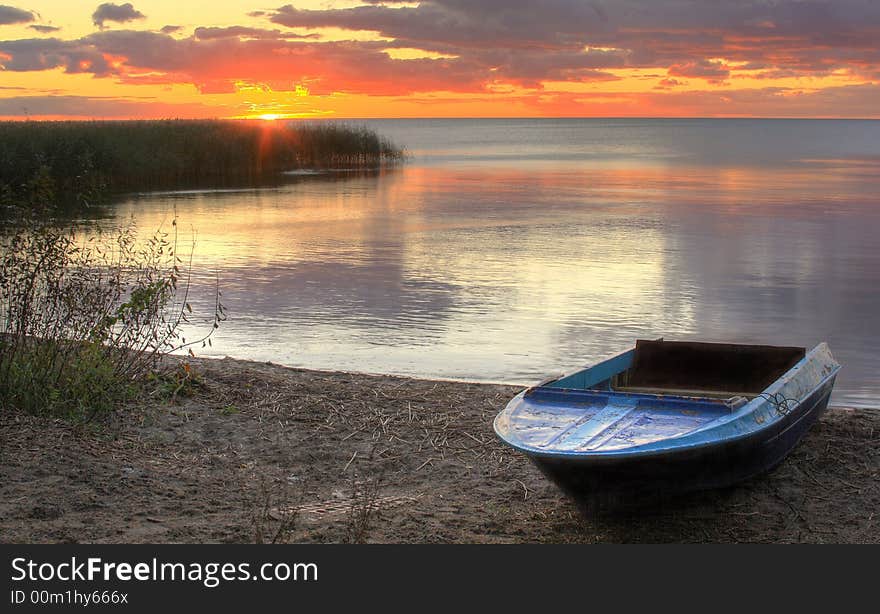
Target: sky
439, 58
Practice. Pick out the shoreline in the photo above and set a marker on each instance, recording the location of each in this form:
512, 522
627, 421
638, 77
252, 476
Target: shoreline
453, 380
262, 452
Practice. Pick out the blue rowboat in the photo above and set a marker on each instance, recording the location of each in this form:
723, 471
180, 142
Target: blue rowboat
669, 417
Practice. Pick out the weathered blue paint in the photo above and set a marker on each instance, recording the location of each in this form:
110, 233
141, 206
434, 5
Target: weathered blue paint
587, 437
551, 421
597, 376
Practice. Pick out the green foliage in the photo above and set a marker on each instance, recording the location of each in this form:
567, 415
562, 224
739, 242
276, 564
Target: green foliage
85, 321
41, 162
79, 386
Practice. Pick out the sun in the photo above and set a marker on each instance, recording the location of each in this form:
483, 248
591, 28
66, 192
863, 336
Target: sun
269, 117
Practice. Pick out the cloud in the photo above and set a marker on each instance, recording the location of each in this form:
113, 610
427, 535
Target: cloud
43, 29
216, 65
855, 101
90, 107
486, 24
11, 15
120, 13
507, 41
714, 72
845, 101
213, 33
489, 47
668, 83
36, 54
812, 34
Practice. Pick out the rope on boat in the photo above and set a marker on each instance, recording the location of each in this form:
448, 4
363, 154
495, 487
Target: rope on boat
781, 403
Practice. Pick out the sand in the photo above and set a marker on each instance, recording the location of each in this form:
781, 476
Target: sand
257, 452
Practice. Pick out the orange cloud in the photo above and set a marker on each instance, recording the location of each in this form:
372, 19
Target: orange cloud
700, 57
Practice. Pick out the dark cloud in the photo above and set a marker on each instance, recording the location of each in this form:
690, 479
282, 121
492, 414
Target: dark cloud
530, 68
489, 23
813, 34
48, 53
211, 33
120, 13
668, 83
141, 49
42, 29
484, 44
11, 15
714, 72
96, 107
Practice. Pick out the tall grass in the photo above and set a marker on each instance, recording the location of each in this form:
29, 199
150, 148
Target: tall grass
57, 161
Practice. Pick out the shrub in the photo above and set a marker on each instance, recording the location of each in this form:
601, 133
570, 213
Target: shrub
84, 321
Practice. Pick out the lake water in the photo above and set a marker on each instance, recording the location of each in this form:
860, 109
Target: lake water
509, 250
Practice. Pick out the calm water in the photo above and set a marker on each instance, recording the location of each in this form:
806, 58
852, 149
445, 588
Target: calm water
507, 250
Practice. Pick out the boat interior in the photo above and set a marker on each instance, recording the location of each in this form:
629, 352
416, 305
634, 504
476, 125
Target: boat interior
660, 390
707, 370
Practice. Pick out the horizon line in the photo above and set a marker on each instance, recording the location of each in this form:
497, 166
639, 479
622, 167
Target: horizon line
16, 119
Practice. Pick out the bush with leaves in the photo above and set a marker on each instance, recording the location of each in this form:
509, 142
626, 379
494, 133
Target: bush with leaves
84, 321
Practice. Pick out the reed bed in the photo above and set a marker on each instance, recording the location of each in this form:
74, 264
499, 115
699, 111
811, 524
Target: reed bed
42, 161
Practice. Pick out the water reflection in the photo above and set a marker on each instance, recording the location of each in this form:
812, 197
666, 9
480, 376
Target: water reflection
508, 273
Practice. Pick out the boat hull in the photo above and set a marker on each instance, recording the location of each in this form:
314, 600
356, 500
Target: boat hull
597, 482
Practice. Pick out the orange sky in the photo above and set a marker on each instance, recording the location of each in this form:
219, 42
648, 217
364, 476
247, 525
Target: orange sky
439, 58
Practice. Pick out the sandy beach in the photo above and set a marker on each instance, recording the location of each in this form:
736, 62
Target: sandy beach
257, 452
